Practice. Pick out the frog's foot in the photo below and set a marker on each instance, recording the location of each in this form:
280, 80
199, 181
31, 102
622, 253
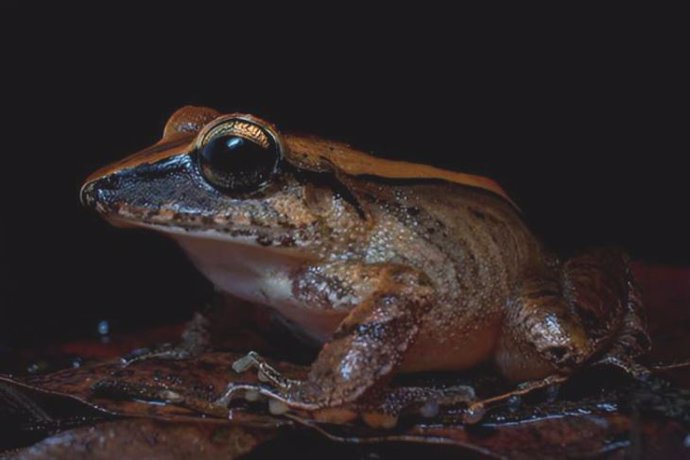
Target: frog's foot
283, 393
379, 409
195, 340
427, 402
365, 349
164, 351
477, 409
440, 403
272, 384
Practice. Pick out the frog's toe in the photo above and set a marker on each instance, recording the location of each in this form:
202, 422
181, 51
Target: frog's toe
445, 398
265, 372
248, 361
278, 401
428, 402
448, 397
251, 392
627, 365
272, 384
457, 394
277, 407
164, 351
252, 395
430, 409
474, 413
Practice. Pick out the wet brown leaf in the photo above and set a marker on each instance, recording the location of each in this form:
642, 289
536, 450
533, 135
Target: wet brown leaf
151, 439
595, 413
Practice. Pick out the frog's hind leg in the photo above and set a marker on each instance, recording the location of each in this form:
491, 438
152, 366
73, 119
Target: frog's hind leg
226, 323
587, 309
604, 293
632, 339
194, 342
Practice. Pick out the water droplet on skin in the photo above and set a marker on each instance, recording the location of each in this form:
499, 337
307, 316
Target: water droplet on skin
276, 407
429, 409
474, 413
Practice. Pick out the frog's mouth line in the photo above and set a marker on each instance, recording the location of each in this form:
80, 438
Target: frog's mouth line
201, 228
178, 222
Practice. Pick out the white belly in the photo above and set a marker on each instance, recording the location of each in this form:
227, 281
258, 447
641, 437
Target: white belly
259, 275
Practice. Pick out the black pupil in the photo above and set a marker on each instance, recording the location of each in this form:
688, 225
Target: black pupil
234, 163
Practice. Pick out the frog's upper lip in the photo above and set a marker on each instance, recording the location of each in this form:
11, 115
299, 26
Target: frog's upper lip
92, 196
244, 234
169, 221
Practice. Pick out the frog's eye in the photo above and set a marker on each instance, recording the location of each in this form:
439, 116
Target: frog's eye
238, 155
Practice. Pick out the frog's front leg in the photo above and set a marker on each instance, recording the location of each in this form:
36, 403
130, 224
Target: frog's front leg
226, 323
559, 318
385, 303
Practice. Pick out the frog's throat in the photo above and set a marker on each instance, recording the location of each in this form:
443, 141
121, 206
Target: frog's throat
261, 275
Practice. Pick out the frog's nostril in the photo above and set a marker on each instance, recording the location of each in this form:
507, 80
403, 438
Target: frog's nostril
557, 352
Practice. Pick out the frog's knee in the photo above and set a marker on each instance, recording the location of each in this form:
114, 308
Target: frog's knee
540, 336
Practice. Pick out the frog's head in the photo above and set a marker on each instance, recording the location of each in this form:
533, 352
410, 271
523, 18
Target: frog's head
222, 177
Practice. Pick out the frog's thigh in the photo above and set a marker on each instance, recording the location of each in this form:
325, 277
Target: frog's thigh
540, 335
556, 321
370, 342
600, 286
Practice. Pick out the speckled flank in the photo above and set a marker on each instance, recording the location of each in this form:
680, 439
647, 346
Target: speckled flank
472, 246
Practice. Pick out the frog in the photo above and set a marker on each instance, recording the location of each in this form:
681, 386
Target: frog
389, 267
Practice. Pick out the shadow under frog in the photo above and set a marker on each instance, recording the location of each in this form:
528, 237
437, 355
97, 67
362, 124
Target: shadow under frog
391, 267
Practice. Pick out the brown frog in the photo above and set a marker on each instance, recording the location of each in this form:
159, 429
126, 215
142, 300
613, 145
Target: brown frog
392, 267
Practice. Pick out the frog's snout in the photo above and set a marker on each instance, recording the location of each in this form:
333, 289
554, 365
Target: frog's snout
95, 192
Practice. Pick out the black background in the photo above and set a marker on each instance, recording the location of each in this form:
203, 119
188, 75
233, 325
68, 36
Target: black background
580, 115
